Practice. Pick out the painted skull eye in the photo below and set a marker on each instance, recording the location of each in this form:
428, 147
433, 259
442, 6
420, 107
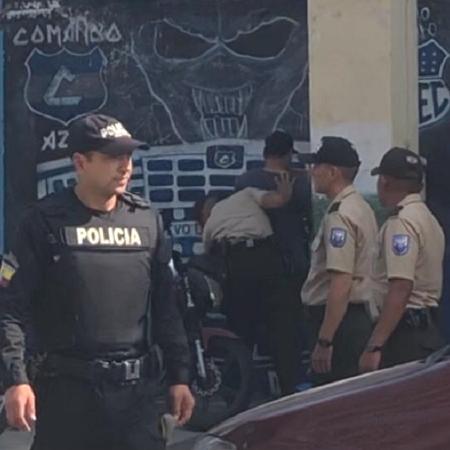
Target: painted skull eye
175, 43
265, 41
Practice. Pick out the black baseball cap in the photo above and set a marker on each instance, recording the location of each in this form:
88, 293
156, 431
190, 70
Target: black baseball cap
279, 143
100, 133
400, 163
336, 151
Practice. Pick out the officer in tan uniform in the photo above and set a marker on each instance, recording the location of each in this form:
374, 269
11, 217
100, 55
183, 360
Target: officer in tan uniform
409, 266
337, 291
241, 217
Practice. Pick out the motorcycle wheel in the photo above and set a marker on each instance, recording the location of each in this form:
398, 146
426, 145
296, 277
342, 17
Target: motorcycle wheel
227, 389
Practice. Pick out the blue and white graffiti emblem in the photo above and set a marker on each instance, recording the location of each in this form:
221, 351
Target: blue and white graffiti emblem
225, 158
338, 237
400, 244
63, 86
434, 95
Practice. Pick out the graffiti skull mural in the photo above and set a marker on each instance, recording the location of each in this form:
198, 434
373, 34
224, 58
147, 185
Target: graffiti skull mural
224, 69
203, 81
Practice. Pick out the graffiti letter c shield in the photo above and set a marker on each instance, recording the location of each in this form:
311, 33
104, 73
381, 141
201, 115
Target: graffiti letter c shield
65, 85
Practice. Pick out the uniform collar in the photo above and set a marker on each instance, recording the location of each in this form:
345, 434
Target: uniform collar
411, 198
349, 190
95, 212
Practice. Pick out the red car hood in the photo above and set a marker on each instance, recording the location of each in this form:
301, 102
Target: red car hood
406, 407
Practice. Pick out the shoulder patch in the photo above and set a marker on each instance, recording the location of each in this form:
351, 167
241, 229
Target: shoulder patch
338, 237
400, 244
334, 207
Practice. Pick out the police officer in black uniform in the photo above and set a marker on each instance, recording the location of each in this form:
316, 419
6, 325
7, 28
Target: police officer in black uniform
88, 277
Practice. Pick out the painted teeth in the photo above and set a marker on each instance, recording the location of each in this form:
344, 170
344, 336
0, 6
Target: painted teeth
243, 130
223, 112
225, 102
228, 127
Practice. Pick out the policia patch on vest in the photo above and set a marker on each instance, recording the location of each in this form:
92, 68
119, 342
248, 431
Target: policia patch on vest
107, 237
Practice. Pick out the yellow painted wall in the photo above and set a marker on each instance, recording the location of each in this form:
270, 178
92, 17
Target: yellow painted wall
363, 83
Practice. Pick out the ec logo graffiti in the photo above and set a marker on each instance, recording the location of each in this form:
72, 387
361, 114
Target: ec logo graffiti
434, 95
63, 86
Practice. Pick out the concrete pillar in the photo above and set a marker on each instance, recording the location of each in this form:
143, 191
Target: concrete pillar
363, 76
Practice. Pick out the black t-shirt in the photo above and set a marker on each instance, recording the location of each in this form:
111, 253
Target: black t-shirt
292, 223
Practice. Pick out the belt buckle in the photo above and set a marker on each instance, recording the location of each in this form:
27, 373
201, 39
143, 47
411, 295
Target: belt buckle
132, 369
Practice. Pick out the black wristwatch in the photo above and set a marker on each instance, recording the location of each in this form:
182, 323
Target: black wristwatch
371, 348
325, 343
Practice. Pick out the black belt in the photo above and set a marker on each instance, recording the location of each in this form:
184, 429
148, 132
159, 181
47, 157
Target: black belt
248, 243
96, 370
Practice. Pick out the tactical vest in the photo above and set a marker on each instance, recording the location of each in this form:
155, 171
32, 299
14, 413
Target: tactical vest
95, 295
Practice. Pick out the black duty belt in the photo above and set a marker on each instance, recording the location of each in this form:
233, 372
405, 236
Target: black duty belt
96, 370
248, 243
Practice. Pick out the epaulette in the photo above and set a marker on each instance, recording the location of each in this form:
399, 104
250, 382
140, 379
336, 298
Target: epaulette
395, 211
134, 200
334, 207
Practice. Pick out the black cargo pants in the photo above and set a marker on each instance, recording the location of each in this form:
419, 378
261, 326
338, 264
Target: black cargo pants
76, 414
259, 300
349, 341
413, 338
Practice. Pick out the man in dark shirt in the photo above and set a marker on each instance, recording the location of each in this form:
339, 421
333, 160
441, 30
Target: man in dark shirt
291, 225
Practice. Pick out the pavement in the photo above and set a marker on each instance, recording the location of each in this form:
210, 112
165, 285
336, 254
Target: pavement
20, 440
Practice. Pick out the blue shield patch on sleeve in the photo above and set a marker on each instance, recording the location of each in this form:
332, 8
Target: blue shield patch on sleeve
400, 244
338, 237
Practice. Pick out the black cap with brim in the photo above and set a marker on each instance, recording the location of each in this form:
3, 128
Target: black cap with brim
395, 174
336, 151
400, 163
100, 133
121, 146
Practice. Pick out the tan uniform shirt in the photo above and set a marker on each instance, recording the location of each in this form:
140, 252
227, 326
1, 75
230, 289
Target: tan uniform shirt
238, 217
345, 242
412, 248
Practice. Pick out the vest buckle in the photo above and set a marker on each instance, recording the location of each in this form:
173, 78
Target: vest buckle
132, 369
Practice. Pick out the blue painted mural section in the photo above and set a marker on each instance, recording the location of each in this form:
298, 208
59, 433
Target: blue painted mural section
434, 113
